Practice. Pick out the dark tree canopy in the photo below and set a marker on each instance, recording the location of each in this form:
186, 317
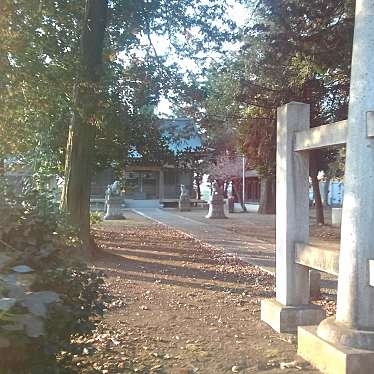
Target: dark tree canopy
291, 51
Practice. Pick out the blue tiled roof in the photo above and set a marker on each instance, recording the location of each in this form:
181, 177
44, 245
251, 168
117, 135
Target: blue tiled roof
182, 134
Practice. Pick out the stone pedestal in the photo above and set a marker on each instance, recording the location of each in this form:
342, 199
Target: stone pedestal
334, 331
286, 319
231, 204
113, 208
332, 358
216, 205
184, 203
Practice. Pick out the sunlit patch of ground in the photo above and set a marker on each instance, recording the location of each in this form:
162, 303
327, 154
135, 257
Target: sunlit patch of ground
180, 307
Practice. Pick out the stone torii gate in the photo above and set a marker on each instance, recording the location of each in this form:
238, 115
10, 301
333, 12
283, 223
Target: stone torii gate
344, 343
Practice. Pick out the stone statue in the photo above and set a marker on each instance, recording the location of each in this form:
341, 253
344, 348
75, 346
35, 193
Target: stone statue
113, 201
184, 200
113, 189
230, 200
216, 202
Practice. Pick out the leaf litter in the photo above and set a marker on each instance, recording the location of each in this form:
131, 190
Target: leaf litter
180, 307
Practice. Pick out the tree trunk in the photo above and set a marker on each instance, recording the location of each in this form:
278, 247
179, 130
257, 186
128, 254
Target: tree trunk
316, 191
78, 162
326, 192
2, 167
237, 190
318, 201
225, 193
2, 180
198, 189
267, 196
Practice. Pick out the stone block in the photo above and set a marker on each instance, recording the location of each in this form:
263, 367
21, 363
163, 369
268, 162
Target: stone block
113, 211
184, 204
286, 319
231, 204
216, 203
331, 358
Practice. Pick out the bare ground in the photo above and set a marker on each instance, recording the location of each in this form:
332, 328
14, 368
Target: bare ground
180, 307
262, 227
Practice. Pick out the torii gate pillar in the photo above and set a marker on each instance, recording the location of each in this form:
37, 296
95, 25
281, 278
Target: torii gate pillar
345, 343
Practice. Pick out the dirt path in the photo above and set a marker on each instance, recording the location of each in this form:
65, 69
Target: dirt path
181, 307
262, 227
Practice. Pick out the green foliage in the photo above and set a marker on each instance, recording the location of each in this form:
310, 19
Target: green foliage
33, 233
40, 63
297, 50
84, 77
39, 58
95, 218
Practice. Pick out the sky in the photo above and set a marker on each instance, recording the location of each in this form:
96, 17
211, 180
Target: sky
238, 12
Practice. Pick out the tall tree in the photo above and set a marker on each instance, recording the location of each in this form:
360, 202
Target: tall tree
37, 46
296, 63
292, 51
78, 164
152, 17
58, 58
